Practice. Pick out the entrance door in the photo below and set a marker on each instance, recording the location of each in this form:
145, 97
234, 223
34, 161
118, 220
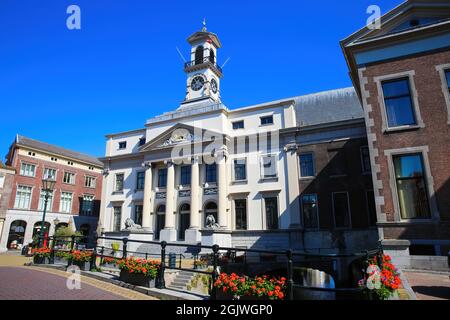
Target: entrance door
184, 221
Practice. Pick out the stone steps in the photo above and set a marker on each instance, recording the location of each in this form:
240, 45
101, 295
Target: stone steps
182, 279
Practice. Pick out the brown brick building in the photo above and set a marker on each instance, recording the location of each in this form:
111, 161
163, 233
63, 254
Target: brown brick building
75, 199
6, 181
401, 72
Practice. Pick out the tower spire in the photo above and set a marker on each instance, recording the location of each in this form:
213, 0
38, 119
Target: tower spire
204, 25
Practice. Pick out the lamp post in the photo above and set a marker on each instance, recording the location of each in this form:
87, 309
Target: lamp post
47, 186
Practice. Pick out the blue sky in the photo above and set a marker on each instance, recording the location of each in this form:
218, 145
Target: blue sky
71, 87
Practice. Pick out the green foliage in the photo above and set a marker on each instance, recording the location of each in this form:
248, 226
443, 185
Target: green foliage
66, 232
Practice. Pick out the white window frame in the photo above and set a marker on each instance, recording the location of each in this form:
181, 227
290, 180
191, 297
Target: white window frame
264, 212
49, 168
234, 170
118, 145
313, 164
424, 150
414, 97
72, 175
115, 182
441, 69
24, 163
238, 121
30, 199
92, 201
61, 202
267, 124
50, 202
349, 211
245, 198
93, 181
2, 180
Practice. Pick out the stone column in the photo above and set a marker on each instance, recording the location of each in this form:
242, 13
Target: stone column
192, 234
147, 205
169, 233
222, 187
293, 185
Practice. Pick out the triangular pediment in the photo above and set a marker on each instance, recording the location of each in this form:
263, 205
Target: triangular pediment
410, 15
180, 134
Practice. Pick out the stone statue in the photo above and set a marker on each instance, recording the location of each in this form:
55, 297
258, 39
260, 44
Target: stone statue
130, 225
211, 222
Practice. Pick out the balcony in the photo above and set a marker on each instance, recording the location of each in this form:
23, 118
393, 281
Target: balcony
205, 62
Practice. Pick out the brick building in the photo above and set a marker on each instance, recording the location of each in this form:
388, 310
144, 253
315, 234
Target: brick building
401, 73
6, 181
75, 199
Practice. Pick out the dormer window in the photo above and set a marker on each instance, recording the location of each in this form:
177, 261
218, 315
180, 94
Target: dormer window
199, 55
122, 145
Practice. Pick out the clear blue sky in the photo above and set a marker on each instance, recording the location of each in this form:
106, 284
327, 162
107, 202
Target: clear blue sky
71, 87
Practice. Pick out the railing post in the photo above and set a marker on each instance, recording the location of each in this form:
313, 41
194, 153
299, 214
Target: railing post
162, 283
94, 255
52, 252
215, 273
290, 271
180, 261
124, 248
102, 251
72, 244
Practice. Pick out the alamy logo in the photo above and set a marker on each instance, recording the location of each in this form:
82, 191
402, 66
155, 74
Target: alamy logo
73, 22
374, 21
74, 280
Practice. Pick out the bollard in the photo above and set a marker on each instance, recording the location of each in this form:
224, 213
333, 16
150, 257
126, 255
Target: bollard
215, 273
290, 285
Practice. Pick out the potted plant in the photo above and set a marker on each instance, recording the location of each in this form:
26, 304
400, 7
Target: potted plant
234, 287
109, 262
41, 255
381, 282
61, 257
82, 259
139, 272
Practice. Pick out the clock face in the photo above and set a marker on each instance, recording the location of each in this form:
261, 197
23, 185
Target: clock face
197, 83
214, 85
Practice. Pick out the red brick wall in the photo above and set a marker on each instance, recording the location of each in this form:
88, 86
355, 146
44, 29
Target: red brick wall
78, 188
435, 135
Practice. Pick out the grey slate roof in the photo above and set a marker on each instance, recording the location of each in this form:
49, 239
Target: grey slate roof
27, 142
328, 106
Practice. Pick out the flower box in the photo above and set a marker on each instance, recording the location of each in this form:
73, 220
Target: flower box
41, 260
83, 265
60, 260
109, 265
137, 279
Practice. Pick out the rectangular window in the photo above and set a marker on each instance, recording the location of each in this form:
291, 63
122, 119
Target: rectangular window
23, 197
238, 125
240, 207
49, 174
365, 160
69, 178
2, 181
268, 120
185, 178
28, 170
117, 218
87, 207
398, 103
42, 201
447, 76
66, 202
138, 214
142, 141
271, 213
341, 210
119, 182
307, 165
240, 172
411, 186
371, 209
140, 180
122, 145
269, 167
162, 178
211, 173
89, 182
310, 209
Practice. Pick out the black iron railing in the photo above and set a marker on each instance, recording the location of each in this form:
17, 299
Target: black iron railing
205, 60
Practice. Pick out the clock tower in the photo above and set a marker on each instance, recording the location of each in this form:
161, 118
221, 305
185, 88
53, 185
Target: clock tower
203, 72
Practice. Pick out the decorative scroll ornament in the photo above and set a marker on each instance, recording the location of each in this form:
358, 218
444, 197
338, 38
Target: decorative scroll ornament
178, 138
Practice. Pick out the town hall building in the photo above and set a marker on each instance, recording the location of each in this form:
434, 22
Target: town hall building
293, 173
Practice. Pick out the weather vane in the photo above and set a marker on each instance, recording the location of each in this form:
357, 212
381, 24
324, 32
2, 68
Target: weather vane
204, 25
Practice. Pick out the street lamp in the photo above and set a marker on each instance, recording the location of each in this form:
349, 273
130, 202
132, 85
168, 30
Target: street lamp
47, 187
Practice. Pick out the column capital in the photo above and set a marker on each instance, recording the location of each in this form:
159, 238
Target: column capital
169, 163
291, 147
222, 152
147, 164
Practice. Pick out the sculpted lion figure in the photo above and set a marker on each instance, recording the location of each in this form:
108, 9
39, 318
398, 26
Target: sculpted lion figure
130, 225
211, 222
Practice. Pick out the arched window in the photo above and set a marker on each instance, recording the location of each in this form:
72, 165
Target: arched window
61, 225
212, 56
199, 55
37, 229
184, 220
160, 220
16, 233
210, 209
